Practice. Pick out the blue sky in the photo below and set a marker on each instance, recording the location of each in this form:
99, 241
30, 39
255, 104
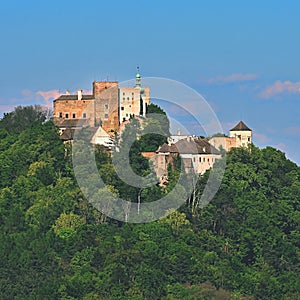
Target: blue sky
242, 56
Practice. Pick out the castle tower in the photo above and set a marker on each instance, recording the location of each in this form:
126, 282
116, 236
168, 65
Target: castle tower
106, 105
138, 78
133, 101
242, 134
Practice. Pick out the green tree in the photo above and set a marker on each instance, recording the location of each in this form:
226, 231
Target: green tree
22, 118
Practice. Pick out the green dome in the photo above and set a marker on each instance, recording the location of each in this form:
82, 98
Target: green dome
137, 75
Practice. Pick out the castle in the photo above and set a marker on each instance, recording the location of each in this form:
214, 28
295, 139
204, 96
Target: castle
107, 107
110, 106
197, 154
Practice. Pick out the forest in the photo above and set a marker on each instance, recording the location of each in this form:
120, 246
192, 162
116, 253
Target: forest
54, 244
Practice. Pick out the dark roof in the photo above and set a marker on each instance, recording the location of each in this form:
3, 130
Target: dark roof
189, 146
74, 97
164, 148
67, 135
195, 146
240, 127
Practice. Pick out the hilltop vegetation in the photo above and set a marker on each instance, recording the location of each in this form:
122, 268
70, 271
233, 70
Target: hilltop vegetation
245, 244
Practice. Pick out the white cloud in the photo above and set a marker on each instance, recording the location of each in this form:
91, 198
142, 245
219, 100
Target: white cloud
237, 77
279, 87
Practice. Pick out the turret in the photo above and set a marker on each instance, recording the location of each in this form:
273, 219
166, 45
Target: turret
242, 133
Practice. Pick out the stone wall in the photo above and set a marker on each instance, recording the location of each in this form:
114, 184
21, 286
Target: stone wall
106, 105
74, 109
243, 137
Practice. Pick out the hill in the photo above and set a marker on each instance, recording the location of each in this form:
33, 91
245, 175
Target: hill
245, 244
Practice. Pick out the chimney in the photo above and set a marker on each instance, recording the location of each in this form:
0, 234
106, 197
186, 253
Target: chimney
79, 92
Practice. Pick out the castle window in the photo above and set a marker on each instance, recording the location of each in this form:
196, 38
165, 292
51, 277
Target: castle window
208, 160
199, 159
122, 107
106, 116
248, 139
73, 116
67, 116
127, 98
84, 115
123, 94
132, 94
132, 98
203, 159
60, 114
106, 106
126, 115
123, 98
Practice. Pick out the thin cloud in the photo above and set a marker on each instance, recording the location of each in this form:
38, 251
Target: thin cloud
28, 97
281, 146
279, 87
237, 77
5, 109
261, 138
293, 130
